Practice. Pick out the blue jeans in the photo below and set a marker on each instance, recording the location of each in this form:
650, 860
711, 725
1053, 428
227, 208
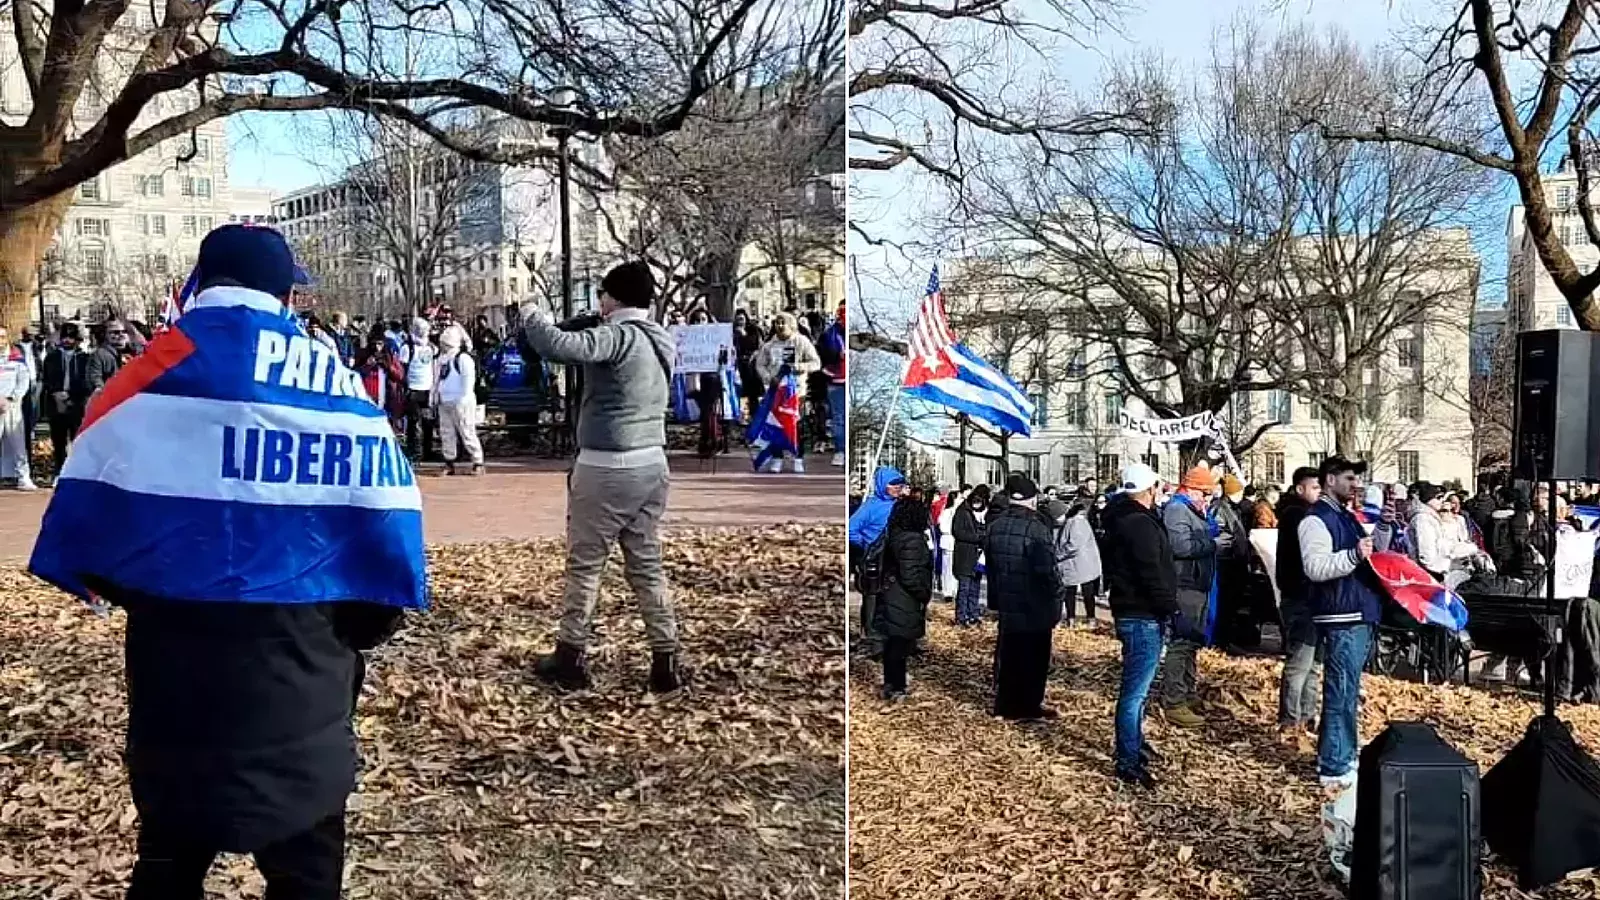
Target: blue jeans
1141, 652
1344, 654
968, 607
836, 410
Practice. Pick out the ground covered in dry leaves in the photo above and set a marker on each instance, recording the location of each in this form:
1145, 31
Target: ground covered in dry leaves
479, 782
948, 802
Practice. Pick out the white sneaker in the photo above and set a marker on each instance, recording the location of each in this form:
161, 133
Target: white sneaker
25, 484
799, 466
838, 459
775, 466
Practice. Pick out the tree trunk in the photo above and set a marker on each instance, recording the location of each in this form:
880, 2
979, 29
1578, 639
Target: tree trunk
716, 273
25, 237
1344, 430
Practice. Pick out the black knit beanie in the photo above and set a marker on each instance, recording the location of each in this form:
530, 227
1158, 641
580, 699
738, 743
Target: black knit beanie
630, 284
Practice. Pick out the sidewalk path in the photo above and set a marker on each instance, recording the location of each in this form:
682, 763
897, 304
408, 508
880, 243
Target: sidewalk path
523, 499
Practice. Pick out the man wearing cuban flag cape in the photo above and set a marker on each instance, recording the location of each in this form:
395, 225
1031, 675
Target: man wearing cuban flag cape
268, 530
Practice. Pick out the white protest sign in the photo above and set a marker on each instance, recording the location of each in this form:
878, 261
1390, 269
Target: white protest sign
1187, 428
700, 346
1574, 563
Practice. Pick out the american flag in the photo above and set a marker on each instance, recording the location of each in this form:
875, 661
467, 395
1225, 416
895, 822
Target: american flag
945, 373
930, 333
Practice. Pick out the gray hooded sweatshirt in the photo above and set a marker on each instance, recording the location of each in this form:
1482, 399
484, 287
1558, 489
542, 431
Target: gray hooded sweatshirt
627, 378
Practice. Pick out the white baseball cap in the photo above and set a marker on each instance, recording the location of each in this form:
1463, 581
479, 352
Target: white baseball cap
1138, 478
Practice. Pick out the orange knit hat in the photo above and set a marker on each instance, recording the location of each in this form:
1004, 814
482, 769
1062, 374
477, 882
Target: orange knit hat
1199, 478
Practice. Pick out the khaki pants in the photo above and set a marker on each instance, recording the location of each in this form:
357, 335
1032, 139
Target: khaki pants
623, 506
459, 421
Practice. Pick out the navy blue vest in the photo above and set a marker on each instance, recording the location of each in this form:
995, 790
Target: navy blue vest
1357, 598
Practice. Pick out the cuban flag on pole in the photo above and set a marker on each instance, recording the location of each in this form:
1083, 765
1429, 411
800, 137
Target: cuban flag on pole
173, 305
776, 427
945, 373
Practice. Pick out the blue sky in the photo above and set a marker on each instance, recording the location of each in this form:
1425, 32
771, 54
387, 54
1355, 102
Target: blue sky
263, 152
1178, 30
890, 280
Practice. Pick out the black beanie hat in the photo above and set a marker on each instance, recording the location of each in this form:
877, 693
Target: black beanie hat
631, 284
1021, 487
254, 258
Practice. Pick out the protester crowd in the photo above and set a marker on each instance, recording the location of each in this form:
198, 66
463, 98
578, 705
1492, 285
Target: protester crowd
1175, 565
434, 378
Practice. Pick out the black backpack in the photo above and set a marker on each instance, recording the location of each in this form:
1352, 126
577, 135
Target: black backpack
872, 567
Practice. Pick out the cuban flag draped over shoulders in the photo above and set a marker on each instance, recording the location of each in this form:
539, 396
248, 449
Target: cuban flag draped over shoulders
776, 427
1416, 591
942, 371
237, 460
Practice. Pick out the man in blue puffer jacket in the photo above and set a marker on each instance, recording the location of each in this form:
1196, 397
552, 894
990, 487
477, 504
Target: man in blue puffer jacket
1346, 601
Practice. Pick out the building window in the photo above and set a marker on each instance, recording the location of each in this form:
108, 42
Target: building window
1319, 413
1409, 351
1077, 411
94, 227
996, 474
1108, 468
1030, 466
204, 186
1280, 407
511, 288
1070, 472
205, 224
202, 148
1274, 467
1411, 402
1041, 404
1077, 367
94, 266
158, 225
186, 186
1410, 464
90, 190
1563, 314
188, 228
144, 223
1563, 200
1372, 402
1113, 407
1153, 460
159, 264
1315, 459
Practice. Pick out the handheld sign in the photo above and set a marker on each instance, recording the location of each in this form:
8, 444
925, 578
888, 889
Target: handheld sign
700, 347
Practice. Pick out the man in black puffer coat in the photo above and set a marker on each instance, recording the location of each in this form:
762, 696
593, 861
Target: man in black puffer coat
1302, 657
1020, 563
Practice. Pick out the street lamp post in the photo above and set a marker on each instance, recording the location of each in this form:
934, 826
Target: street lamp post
565, 99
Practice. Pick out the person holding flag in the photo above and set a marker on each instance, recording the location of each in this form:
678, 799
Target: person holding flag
268, 530
787, 357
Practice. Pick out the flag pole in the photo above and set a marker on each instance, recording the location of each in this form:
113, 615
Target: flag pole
894, 404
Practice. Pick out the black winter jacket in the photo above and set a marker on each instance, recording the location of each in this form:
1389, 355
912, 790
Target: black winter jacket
969, 534
239, 731
902, 609
1290, 571
1137, 559
1020, 564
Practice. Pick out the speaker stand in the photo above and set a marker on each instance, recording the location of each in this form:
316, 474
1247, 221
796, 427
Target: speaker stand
1541, 803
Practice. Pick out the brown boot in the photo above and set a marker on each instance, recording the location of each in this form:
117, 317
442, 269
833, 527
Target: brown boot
664, 674
565, 668
1183, 716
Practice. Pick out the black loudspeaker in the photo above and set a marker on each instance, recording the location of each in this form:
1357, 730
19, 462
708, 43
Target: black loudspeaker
1556, 438
1541, 806
1418, 825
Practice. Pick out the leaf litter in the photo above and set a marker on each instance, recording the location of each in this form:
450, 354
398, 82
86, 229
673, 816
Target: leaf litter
478, 781
949, 803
